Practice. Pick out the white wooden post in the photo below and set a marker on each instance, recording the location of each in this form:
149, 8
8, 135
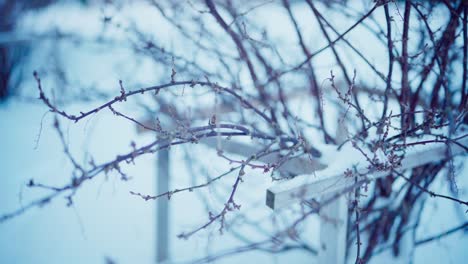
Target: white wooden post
162, 207
334, 216
162, 241
333, 229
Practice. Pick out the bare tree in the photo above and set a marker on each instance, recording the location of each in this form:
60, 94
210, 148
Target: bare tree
222, 71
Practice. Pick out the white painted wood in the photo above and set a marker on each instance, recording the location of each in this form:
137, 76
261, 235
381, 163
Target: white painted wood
334, 216
295, 166
162, 207
305, 187
333, 226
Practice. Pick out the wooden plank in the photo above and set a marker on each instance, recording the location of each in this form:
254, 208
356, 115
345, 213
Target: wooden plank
291, 167
333, 226
334, 216
162, 207
304, 187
